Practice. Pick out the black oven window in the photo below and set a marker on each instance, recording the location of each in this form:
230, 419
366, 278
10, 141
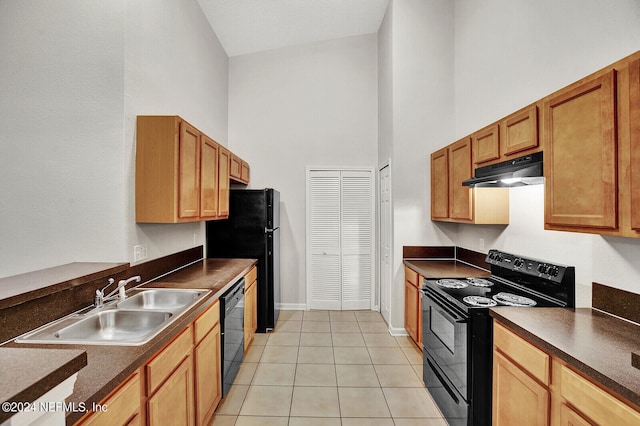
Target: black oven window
443, 329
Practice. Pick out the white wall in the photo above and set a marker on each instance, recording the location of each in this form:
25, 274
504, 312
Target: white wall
61, 114
174, 65
549, 45
74, 76
311, 105
416, 118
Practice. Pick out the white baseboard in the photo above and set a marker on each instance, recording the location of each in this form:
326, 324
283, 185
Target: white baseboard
398, 331
293, 306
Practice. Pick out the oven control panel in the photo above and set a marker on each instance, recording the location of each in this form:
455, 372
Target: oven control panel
538, 268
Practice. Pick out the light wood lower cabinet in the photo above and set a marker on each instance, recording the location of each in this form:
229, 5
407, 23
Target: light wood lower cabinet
531, 387
173, 403
122, 406
180, 385
413, 306
250, 306
207, 361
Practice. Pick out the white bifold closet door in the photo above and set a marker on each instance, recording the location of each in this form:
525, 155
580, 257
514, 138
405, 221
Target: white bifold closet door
340, 229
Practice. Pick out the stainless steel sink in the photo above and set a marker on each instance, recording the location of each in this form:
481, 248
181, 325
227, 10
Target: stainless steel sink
134, 321
161, 298
114, 325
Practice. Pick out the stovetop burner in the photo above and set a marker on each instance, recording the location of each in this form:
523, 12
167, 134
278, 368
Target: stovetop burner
510, 299
480, 301
451, 283
479, 282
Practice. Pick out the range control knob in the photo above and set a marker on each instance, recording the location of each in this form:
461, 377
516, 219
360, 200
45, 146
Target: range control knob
518, 262
541, 268
554, 271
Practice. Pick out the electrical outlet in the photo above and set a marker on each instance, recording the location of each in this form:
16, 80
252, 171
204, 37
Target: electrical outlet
140, 252
195, 239
481, 243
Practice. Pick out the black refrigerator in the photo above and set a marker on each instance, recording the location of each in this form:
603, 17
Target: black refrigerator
253, 231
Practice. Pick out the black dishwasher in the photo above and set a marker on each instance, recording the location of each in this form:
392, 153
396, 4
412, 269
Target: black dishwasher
232, 336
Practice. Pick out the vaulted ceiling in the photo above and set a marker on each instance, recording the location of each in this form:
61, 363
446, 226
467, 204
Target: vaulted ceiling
249, 26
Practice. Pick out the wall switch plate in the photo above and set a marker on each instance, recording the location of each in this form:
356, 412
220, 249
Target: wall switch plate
481, 243
140, 252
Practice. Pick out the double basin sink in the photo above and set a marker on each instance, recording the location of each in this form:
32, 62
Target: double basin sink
131, 322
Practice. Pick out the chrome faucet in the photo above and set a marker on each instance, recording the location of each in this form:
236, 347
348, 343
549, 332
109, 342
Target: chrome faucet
100, 298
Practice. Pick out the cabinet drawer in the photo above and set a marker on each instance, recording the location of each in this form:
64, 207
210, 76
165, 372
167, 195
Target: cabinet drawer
122, 405
530, 358
597, 404
163, 364
411, 276
251, 276
206, 321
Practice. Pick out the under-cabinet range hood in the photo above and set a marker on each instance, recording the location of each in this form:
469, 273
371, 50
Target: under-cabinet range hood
521, 171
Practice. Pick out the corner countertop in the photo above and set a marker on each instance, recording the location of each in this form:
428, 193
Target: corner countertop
593, 342
109, 365
29, 373
445, 268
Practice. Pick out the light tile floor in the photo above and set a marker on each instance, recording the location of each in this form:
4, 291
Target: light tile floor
329, 368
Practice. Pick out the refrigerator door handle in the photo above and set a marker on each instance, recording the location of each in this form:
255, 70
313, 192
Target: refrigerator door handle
267, 230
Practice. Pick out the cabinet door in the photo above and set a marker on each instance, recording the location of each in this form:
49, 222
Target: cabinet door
208, 178
460, 197
440, 184
122, 406
580, 156
223, 182
486, 145
568, 417
188, 172
634, 118
207, 375
236, 167
411, 300
250, 302
520, 131
517, 398
173, 403
244, 175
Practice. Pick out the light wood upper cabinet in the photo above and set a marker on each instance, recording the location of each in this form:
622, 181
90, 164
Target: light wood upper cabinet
188, 171
579, 131
486, 145
209, 155
452, 202
223, 182
520, 133
239, 169
460, 197
634, 132
440, 184
182, 175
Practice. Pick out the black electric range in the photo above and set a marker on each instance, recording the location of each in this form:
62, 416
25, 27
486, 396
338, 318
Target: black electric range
457, 329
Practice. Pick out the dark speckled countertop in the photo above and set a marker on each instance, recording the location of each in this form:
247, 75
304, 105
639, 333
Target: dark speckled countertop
595, 343
25, 377
108, 365
445, 268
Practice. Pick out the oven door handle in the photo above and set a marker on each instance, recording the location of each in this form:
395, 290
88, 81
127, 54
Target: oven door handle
451, 315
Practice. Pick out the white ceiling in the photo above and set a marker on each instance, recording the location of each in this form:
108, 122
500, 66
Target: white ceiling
249, 26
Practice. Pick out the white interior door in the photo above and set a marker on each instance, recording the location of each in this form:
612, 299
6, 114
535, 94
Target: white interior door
340, 236
384, 232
